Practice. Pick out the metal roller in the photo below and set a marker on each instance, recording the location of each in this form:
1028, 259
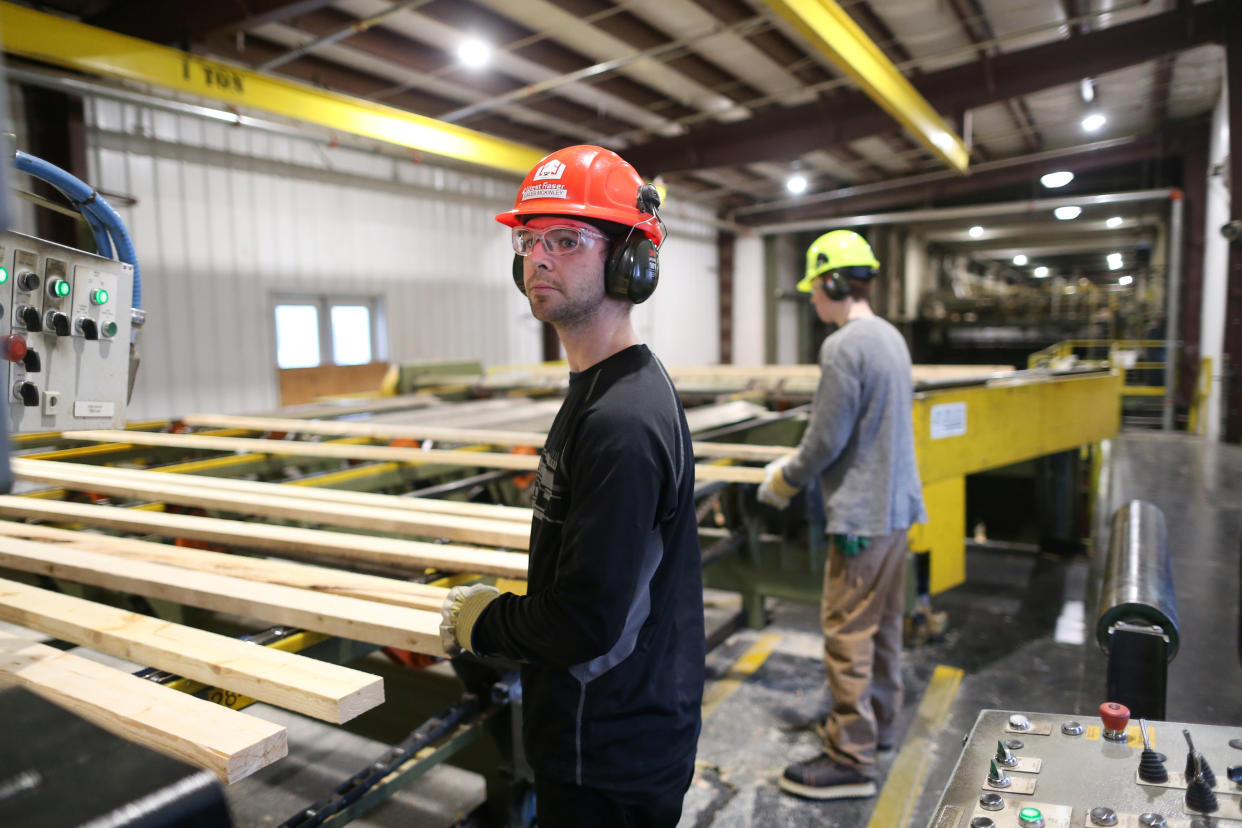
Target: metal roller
1137, 585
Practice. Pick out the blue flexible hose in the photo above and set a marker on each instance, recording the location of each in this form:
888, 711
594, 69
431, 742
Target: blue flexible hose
94, 208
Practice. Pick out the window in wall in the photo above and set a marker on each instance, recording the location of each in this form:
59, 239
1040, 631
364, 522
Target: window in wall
328, 330
297, 336
351, 334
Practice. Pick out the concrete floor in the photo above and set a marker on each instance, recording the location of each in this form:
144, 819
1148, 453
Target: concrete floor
1017, 631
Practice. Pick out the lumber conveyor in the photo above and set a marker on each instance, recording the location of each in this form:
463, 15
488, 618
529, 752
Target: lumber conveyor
746, 549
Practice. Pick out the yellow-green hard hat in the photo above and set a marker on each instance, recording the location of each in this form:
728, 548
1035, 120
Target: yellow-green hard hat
835, 250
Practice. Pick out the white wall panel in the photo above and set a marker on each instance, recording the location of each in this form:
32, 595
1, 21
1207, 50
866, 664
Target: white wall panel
749, 302
225, 219
681, 321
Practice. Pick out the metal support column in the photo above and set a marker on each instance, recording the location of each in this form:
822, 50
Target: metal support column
1173, 298
1233, 307
726, 244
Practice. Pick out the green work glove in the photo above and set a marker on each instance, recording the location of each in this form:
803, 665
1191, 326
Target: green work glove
851, 546
461, 609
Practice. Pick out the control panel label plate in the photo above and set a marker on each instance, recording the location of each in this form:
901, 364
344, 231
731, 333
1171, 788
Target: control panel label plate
86, 409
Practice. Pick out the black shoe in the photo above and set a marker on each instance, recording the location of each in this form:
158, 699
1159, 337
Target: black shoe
824, 778
884, 747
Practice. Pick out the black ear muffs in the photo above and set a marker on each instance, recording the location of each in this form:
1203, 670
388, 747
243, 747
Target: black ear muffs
518, 278
836, 286
633, 270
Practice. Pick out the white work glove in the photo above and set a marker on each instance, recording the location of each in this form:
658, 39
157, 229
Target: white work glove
775, 489
461, 608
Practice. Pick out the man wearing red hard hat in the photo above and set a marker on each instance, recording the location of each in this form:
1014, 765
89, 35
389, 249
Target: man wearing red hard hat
610, 631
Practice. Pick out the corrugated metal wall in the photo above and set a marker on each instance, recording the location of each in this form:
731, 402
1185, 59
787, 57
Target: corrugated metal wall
225, 218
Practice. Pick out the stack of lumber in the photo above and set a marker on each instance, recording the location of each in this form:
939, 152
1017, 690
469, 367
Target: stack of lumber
318, 593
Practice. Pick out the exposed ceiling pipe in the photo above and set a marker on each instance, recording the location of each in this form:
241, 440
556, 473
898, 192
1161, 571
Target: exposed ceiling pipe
339, 35
929, 177
904, 66
740, 28
972, 211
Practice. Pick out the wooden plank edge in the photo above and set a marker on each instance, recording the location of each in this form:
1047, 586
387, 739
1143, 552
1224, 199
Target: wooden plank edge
230, 744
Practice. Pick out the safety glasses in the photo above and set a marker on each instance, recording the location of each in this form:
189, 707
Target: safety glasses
558, 241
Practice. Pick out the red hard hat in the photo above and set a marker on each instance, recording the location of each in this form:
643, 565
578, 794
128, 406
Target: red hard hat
584, 182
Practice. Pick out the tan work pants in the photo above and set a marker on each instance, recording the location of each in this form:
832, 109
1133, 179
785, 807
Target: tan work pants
861, 613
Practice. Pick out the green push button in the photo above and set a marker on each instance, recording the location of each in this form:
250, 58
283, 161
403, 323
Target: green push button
59, 288
99, 297
109, 329
1030, 818
4, 275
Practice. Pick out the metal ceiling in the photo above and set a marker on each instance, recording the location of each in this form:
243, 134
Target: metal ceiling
725, 98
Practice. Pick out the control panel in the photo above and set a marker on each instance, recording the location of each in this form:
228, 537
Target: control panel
1044, 770
64, 336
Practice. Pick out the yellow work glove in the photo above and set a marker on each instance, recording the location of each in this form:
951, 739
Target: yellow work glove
461, 608
775, 490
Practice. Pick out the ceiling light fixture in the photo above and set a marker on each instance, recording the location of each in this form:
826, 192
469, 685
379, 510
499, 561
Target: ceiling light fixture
1041, 272
1114, 261
1019, 259
1068, 212
1053, 180
976, 231
796, 184
1094, 121
1125, 280
1115, 221
474, 53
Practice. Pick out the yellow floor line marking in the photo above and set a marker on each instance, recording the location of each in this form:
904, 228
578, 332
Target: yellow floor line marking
743, 668
908, 774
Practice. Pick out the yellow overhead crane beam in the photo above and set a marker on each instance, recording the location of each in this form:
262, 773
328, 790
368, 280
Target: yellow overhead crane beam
50, 39
831, 30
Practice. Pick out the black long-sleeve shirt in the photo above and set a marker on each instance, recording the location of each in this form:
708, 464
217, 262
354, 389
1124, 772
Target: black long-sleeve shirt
611, 628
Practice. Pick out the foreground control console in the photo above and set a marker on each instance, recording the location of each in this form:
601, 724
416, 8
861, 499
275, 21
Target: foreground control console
1044, 770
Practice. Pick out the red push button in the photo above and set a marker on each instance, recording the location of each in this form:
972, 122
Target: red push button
13, 347
1116, 717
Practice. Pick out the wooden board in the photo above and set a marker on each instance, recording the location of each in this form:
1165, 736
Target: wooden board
357, 405
267, 570
383, 624
281, 503
338, 428
487, 511
406, 554
301, 448
727, 474
230, 744
304, 385
517, 462
314, 688
378, 431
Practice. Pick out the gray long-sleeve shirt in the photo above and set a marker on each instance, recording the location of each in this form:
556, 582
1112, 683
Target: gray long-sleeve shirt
860, 440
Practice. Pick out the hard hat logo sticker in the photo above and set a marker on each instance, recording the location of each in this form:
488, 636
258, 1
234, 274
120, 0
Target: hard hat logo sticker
544, 191
553, 169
